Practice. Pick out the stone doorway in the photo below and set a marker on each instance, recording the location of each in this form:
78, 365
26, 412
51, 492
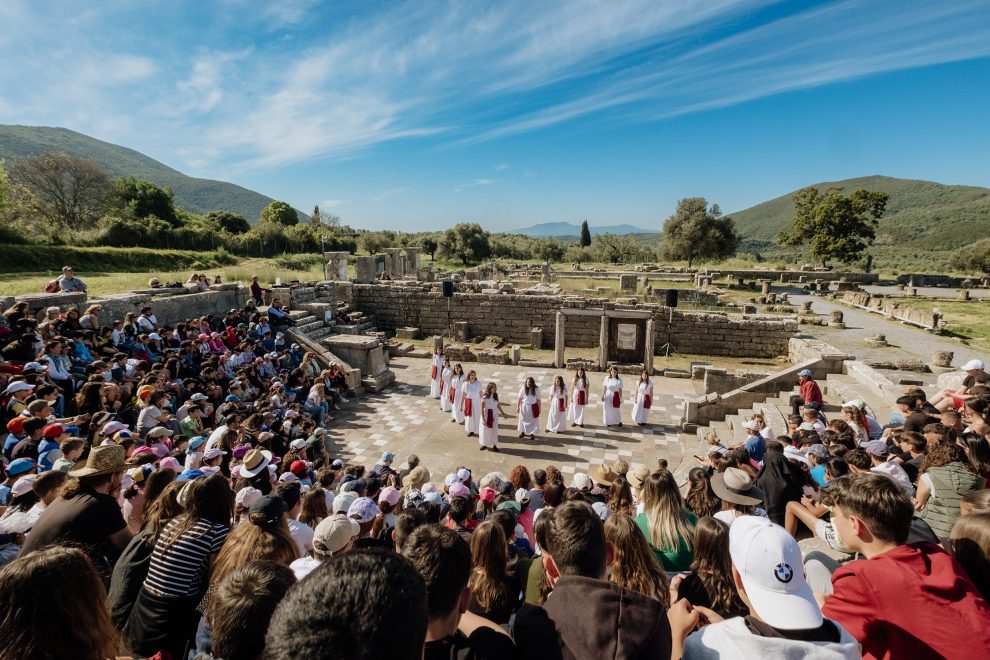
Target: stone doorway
626, 339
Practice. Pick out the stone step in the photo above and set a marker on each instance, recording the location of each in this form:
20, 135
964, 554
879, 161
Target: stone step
298, 314
841, 387
320, 333
313, 324
307, 318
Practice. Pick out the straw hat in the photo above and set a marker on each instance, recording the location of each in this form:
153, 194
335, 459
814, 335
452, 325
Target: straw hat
102, 460
602, 475
735, 486
255, 461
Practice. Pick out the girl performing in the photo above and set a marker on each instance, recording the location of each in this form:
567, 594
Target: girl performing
528, 406
435, 370
612, 398
445, 385
644, 399
557, 417
454, 395
579, 397
471, 402
490, 411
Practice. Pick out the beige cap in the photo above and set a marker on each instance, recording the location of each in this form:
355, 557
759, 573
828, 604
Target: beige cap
334, 533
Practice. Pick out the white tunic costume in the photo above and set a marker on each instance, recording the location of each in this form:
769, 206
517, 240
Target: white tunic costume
612, 405
445, 387
435, 369
644, 401
455, 398
471, 398
579, 399
488, 437
557, 411
529, 411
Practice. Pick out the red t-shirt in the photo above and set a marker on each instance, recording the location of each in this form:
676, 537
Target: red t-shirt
811, 392
914, 601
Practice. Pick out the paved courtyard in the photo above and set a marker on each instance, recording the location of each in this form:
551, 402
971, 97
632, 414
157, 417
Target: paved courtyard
405, 420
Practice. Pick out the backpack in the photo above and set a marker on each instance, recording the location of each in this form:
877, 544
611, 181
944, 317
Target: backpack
52, 287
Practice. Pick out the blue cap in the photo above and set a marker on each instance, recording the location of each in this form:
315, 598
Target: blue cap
20, 466
804, 372
197, 441
231, 397
189, 475
388, 457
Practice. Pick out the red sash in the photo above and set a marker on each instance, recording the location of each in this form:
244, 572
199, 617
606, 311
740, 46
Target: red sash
536, 410
453, 392
489, 418
441, 386
467, 406
616, 400
581, 397
647, 401
561, 404
433, 373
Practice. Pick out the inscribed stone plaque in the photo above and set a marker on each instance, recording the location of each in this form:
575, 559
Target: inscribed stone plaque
625, 337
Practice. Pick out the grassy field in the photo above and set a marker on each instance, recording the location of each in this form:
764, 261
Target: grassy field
969, 321
101, 284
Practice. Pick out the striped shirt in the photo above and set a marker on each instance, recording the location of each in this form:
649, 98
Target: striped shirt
180, 570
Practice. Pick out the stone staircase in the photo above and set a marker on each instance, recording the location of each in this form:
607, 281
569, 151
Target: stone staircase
357, 322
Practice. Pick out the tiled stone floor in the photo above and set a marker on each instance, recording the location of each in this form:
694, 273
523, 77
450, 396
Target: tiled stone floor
405, 420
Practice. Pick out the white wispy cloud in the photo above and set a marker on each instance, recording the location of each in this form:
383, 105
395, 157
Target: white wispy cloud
475, 184
332, 203
298, 80
385, 194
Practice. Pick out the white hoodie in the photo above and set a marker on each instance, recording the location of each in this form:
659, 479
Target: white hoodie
732, 639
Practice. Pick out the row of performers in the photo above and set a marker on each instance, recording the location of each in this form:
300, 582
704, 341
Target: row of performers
478, 407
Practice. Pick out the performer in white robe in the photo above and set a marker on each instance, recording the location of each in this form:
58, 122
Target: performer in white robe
454, 394
528, 405
445, 375
580, 391
644, 399
491, 409
436, 367
471, 403
557, 407
612, 398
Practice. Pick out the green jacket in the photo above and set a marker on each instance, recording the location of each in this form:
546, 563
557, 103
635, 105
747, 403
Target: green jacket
950, 482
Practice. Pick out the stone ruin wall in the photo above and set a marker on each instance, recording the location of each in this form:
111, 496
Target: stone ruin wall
513, 316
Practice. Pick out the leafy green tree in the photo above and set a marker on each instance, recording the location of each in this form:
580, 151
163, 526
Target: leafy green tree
585, 234
230, 222
835, 226
143, 199
548, 249
316, 219
279, 213
615, 249
973, 257
696, 231
374, 242
429, 246
467, 242
69, 191
578, 255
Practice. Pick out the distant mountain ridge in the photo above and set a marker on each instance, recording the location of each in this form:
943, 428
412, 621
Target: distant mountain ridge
921, 215
192, 194
547, 229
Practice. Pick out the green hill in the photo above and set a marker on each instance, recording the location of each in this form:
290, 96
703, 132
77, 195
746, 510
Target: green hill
921, 215
192, 194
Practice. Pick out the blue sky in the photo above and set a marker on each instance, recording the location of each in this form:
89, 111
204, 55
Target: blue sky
418, 115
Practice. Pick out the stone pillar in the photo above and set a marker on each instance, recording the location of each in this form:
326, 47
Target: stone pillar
806, 307
515, 353
536, 338
392, 264
627, 283
912, 292
437, 342
963, 294
336, 267
837, 320
364, 270
559, 341
402, 266
942, 358
650, 346
603, 343
764, 286
413, 256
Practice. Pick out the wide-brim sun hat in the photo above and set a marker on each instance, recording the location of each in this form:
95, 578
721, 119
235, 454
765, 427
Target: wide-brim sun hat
255, 461
735, 486
101, 460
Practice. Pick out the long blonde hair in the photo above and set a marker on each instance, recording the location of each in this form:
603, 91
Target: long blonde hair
489, 557
665, 511
254, 540
634, 566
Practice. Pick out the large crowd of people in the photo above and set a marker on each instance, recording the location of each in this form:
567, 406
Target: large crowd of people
170, 491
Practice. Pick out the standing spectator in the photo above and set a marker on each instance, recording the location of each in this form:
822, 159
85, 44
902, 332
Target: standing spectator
69, 283
257, 292
591, 617
810, 395
902, 601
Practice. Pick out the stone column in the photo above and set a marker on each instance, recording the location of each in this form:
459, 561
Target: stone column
437, 342
392, 264
559, 341
413, 255
627, 283
364, 270
603, 343
403, 262
336, 267
764, 286
963, 294
650, 346
942, 358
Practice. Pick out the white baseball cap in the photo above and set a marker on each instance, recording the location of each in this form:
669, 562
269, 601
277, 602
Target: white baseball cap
769, 563
973, 365
582, 481
749, 425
